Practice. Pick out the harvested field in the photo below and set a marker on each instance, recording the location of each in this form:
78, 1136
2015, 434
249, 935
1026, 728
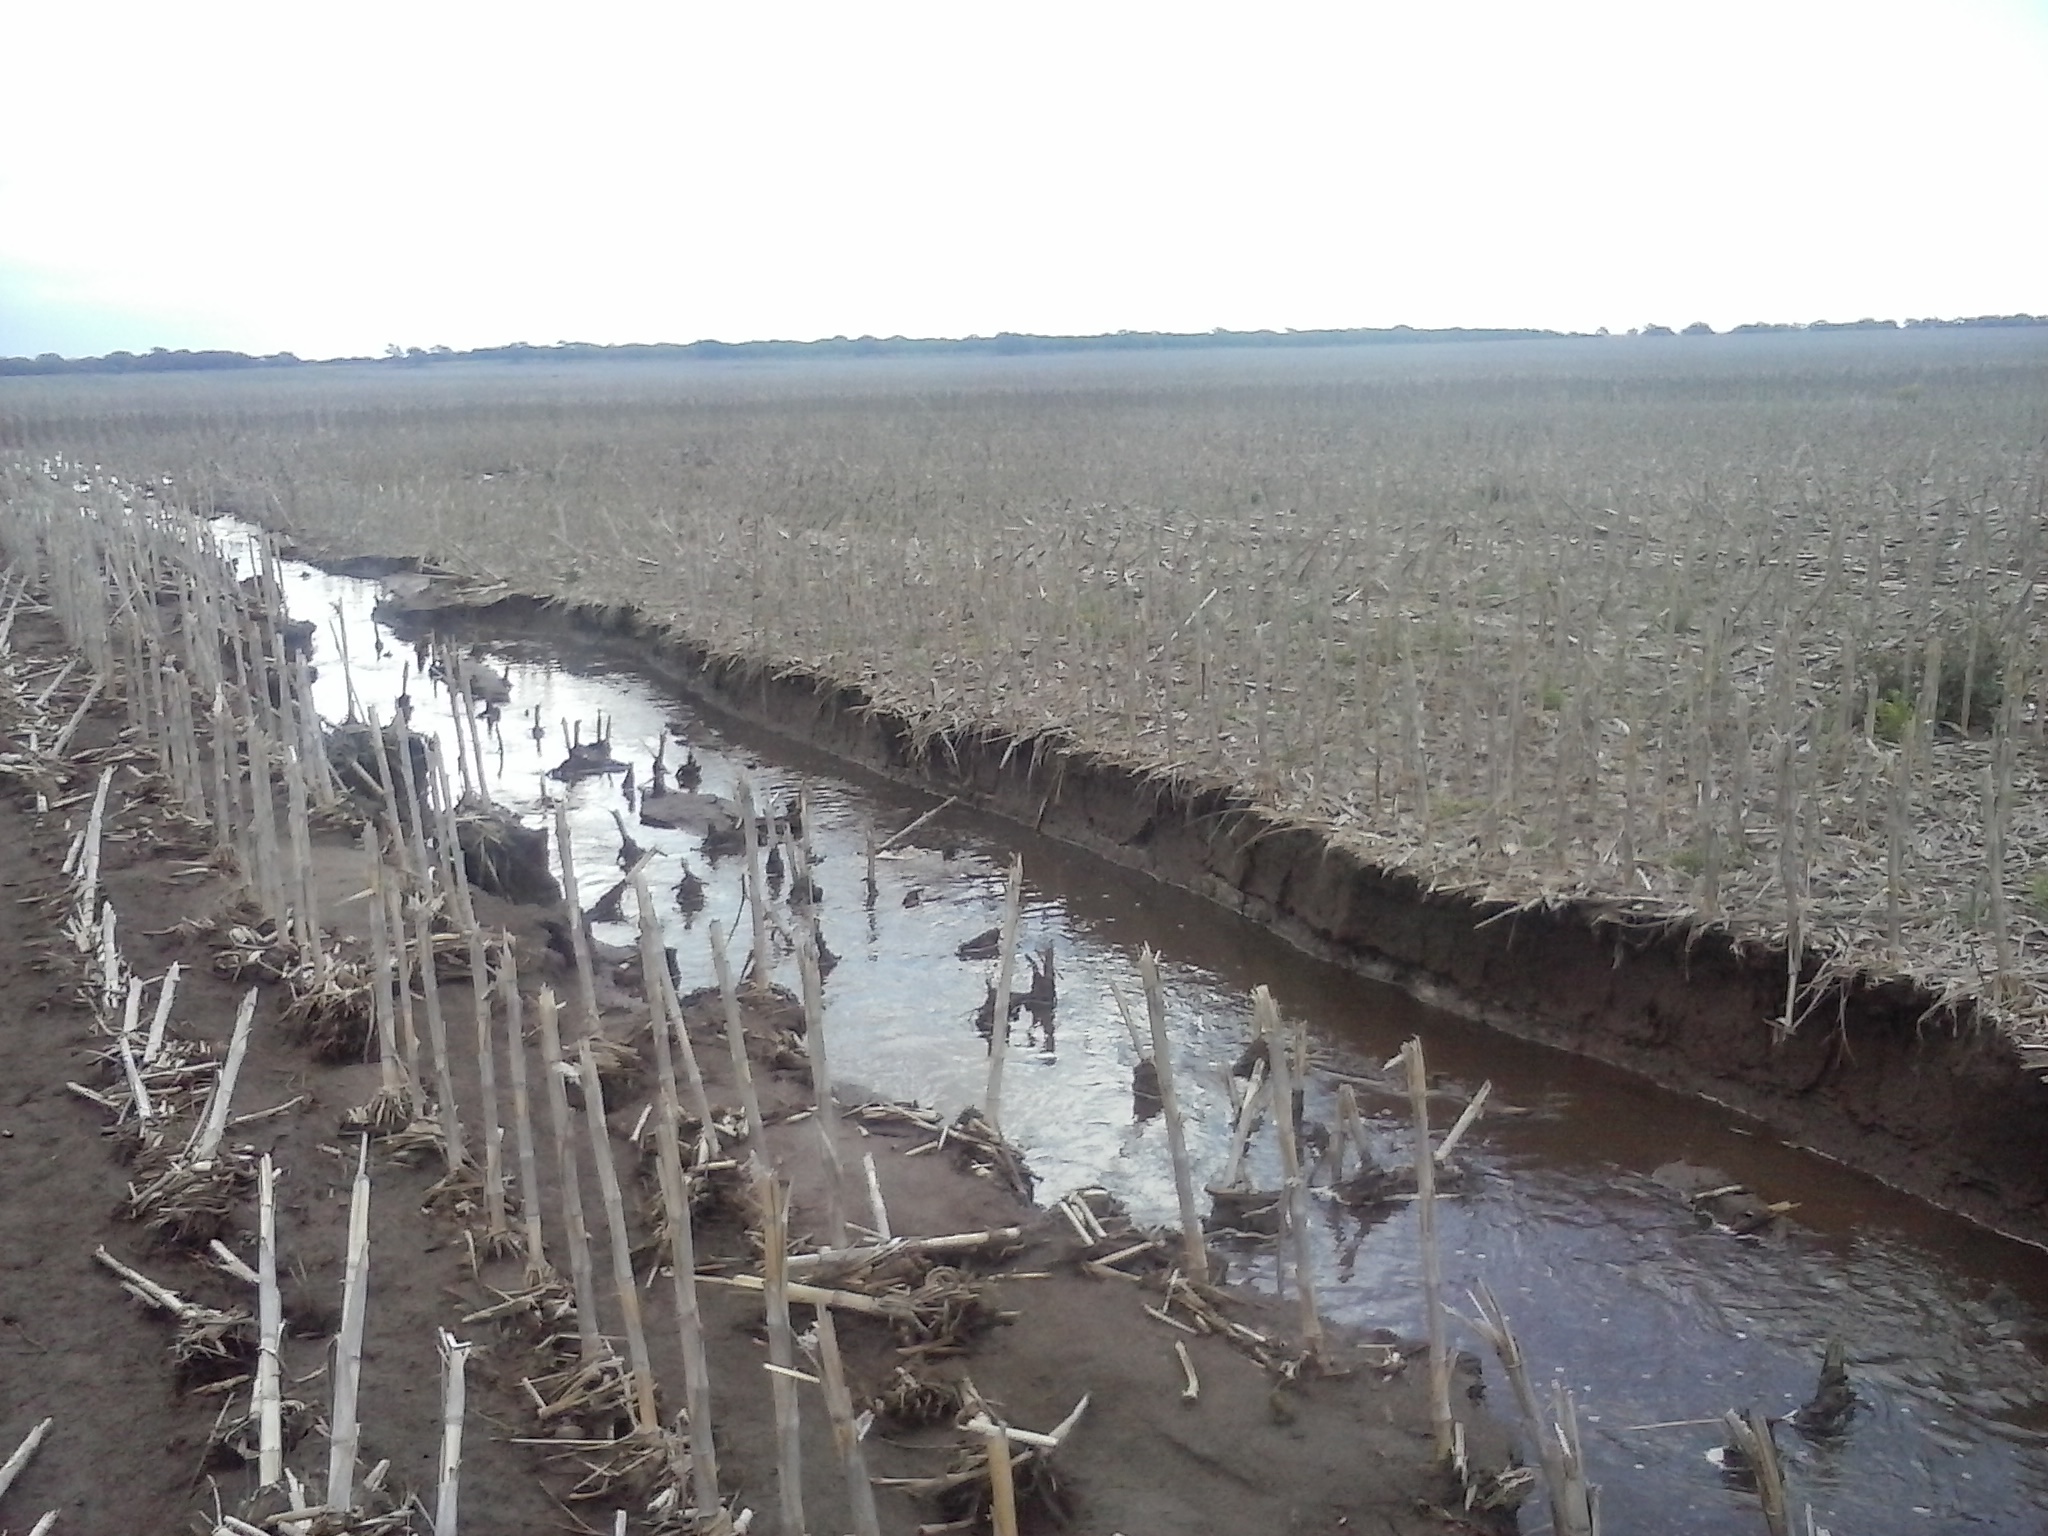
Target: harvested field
1267, 862
1739, 631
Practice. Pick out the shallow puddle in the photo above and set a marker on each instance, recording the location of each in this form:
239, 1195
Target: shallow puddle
1613, 1287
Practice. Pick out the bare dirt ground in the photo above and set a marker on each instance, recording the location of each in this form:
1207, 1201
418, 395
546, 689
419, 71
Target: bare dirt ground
139, 1445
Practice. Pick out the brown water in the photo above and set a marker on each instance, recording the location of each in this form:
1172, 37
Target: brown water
1612, 1286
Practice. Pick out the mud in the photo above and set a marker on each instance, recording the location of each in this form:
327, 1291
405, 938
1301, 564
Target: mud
1884, 1077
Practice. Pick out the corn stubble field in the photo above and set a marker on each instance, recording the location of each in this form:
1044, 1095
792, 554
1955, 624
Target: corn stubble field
1745, 629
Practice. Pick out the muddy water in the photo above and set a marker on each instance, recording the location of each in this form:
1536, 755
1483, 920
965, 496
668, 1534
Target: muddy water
1614, 1289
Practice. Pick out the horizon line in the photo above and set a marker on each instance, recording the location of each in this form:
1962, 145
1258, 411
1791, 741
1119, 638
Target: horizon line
1000, 342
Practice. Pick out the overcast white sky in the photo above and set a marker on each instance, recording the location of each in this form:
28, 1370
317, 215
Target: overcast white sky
325, 178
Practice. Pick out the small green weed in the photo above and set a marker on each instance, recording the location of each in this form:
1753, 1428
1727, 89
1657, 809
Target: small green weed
1892, 676
1894, 717
2037, 894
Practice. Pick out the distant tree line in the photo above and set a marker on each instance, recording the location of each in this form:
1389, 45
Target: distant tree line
1004, 344
156, 360
1766, 327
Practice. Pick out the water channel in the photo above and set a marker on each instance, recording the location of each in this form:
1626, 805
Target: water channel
1613, 1286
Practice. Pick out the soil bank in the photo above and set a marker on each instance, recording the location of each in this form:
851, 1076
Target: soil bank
1912, 1089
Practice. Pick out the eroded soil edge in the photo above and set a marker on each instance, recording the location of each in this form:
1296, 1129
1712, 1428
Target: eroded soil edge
1882, 1076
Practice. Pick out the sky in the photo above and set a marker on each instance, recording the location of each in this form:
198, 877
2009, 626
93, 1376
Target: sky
329, 178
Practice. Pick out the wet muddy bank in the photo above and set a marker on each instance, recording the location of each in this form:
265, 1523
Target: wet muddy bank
1882, 1077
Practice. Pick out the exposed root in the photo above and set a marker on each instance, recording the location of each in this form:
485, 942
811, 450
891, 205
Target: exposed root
332, 1007
417, 1143
388, 1112
630, 1469
458, 1193
380, 1514
619, 1066
676, 1520
182, 1206
915, 1400
330, 994
962, 1494
209, 1343
946, 1312
255, 952
983, 1150
212, 1344
725, 1193
232, 1442
596, 1397
541, 1316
